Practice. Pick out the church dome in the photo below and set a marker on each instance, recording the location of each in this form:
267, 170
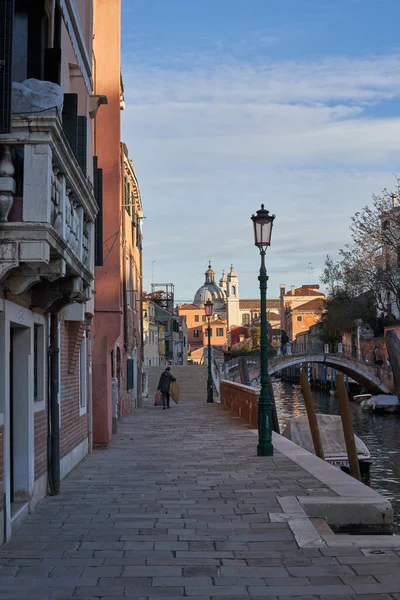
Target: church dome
209, 291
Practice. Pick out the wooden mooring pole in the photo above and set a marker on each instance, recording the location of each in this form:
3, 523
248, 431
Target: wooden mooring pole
347, 423
312, 416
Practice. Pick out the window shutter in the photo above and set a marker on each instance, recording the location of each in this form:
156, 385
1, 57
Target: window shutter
6, 38
127, 196
36, 39
81, 153
52, 65
130, 374
98, 193
70, 120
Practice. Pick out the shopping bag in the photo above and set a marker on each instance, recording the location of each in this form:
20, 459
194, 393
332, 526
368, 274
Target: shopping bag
158, 399
174, 391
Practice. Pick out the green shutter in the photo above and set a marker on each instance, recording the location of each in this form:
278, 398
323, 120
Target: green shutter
6, 42
130, 375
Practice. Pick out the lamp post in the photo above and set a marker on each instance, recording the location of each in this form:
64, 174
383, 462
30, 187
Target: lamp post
262, 222
208, 308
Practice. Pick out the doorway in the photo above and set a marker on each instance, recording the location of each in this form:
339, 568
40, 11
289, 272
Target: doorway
19, 416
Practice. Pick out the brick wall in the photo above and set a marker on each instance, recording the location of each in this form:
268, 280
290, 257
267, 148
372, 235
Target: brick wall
1, 469
240, 399
74, 428
40, 444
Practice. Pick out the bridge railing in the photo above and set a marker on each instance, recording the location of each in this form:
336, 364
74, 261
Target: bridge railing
352, 352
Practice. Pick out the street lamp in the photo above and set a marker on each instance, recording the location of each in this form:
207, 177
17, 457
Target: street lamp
208, 308
262, 222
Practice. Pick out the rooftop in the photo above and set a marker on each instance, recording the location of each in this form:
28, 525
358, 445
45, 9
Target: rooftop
312, 306
255, 303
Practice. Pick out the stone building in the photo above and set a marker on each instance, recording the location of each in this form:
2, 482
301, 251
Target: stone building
50, 195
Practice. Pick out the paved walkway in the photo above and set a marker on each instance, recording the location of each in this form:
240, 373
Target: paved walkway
181, 506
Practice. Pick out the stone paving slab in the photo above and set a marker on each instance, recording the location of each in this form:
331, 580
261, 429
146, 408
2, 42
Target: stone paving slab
181, 506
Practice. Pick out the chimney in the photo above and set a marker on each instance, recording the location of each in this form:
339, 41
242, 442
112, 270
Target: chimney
292, 288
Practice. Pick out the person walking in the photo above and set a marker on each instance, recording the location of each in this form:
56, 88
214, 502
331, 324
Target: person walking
377, 355
163, 386
284, 341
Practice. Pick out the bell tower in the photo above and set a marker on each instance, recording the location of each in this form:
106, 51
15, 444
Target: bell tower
232, 294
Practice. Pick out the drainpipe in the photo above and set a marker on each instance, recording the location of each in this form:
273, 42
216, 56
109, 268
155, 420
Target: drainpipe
114, 388
54, 406
90, 391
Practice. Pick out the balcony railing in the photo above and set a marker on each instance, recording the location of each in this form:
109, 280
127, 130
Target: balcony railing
47, 205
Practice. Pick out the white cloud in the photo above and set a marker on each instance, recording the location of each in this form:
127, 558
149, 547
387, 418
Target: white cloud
211, 144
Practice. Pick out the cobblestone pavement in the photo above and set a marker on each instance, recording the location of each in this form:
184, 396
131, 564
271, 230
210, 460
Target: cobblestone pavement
179, 506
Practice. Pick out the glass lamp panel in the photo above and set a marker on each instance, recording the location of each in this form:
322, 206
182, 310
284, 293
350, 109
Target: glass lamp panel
262, 231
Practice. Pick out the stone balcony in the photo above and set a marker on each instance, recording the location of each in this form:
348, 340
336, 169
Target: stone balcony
47, 214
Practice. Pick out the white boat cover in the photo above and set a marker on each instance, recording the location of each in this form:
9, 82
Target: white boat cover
384, 400
331, 432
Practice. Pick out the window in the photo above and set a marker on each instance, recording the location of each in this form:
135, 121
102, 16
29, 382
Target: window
82, 376
196, 333
196, 318
184, 342
299, 318
210, 332
204, 318
127, 196
220, 332
128, 280
38, 363
233, 290
246, 319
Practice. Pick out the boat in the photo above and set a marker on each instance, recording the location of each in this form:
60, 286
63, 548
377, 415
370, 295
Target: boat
361, 397
382, 403
331, 432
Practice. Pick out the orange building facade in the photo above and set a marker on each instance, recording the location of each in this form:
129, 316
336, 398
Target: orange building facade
300, 308
117, 347
197, 325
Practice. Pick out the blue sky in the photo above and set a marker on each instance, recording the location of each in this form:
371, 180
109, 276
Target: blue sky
231, 103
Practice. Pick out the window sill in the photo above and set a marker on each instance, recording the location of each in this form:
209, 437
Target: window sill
82, 410
39, 405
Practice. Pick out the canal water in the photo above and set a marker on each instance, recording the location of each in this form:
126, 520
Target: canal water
381, 434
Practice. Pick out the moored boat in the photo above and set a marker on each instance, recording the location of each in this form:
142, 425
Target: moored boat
361, 397
330, 427
382, 403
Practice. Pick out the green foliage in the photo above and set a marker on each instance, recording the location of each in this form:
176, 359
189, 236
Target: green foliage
255, 336
342, 311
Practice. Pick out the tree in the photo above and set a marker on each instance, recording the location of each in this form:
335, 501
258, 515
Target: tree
342, 311
371, 263
255, 336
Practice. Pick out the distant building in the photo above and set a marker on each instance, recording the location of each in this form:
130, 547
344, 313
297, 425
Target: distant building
300, 308
229, 309
151, 335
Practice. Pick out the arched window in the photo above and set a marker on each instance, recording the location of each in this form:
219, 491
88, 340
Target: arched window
234, 290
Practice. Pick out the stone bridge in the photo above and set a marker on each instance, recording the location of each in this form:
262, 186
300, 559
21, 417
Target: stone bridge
374, 379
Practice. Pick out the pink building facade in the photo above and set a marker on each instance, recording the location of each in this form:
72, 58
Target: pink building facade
50, 195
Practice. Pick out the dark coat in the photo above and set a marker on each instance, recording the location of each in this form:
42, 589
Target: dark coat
165, 381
